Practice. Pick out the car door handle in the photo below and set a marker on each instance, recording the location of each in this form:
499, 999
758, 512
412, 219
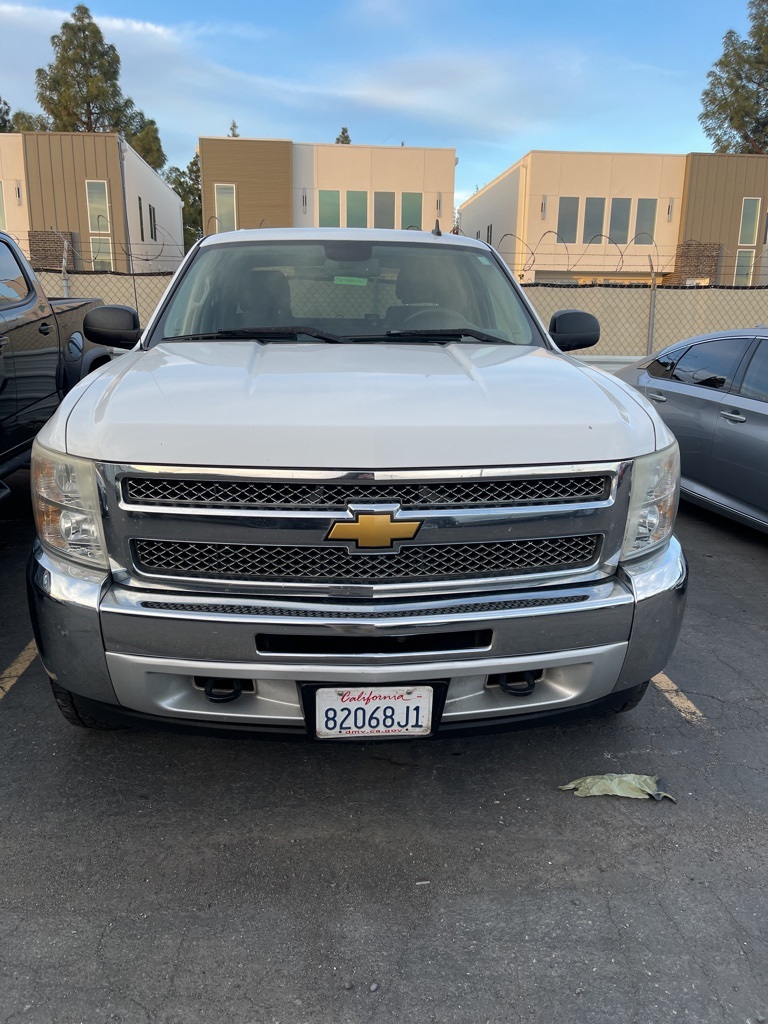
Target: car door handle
45, 328
656, 396
734, 417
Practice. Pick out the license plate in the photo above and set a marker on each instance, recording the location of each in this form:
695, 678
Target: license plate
373, 711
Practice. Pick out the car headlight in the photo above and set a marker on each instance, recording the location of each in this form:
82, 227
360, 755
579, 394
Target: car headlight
653, 503
67, 509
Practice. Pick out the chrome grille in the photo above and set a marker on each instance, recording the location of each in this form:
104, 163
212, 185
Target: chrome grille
336, 565
239, 494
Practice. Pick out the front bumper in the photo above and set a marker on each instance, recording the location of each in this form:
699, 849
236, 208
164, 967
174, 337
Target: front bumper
147, 653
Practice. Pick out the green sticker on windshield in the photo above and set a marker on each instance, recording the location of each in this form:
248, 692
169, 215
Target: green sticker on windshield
361, 282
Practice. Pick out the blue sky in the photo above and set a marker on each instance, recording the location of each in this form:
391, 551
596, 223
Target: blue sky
493, 79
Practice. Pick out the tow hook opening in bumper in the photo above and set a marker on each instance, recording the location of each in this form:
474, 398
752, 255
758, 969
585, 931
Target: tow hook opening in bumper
222, 691
516, 684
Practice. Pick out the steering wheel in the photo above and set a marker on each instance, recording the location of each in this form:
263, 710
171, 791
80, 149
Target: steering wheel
435, 318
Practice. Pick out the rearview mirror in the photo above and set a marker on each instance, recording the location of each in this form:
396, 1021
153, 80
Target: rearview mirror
116, 326
572, 328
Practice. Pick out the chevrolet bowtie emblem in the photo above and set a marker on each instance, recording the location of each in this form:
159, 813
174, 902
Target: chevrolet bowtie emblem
374, 530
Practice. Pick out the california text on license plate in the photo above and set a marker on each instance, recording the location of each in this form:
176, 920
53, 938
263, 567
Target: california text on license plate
373, 711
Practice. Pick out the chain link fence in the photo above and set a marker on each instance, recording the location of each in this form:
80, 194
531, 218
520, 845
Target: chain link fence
634, 319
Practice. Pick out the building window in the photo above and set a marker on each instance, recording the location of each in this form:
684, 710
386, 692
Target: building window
744, 261
618, 229
750, 214
410, 214
489, 234
152, 223
594, 221
330, 208
383, 209
225, 207
357, 209
567, 218
141, 220
98, 210
101, 253
645, 222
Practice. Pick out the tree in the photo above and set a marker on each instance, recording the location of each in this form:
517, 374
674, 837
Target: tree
343, 137
23, 121
142, 134
186, 185
6, 124
735, 102
80, 90
234, 131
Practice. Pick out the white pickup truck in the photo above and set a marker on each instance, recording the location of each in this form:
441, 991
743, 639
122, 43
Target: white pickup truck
347, 486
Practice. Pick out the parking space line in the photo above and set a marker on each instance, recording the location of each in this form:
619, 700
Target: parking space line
14, 672
678, 700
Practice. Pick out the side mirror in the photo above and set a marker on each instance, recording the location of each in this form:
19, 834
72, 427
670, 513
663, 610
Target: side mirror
115, 326
572, 328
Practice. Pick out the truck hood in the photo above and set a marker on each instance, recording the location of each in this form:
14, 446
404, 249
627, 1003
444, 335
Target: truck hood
330, 406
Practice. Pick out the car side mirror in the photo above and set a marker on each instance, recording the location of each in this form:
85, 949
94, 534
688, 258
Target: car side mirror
572, 328
116, 326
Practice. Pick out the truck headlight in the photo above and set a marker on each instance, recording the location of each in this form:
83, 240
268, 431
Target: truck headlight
653, 504
67, 509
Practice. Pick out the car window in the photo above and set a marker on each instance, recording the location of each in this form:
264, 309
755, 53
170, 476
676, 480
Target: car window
755, 383
661, 366
711, 364
351, 288
13, 284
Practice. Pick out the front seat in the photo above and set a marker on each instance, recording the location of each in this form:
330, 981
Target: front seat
265, 301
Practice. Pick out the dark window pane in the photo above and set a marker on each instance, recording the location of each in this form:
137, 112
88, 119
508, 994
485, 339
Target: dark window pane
661, 367
13, 284
594, 219
357, 209
330, 208
383, 209
645, 222
411, 210
755, 384
567, 218
619, 226
711, 364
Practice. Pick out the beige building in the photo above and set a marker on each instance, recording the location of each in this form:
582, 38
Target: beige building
251, 183
583, 217
91, 194
627, 217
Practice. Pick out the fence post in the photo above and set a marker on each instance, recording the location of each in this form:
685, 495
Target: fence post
651, 310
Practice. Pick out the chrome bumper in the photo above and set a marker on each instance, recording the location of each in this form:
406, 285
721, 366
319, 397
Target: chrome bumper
147, 651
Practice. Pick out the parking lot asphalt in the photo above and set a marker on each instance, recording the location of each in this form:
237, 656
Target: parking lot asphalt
155, 877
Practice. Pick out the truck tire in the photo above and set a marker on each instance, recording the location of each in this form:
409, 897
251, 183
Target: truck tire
633, 701
67, 704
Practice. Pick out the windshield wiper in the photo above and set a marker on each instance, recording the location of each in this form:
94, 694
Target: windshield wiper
451, 332
258, 334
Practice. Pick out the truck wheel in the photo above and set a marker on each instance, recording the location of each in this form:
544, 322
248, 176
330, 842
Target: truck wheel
67, 703
633, 701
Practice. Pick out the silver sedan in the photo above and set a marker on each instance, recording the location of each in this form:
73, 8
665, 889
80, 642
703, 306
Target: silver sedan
712, 391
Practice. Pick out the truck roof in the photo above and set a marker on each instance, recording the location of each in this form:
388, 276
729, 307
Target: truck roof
347, 234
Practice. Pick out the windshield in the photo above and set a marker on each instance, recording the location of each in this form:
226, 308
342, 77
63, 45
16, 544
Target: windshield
349, 290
